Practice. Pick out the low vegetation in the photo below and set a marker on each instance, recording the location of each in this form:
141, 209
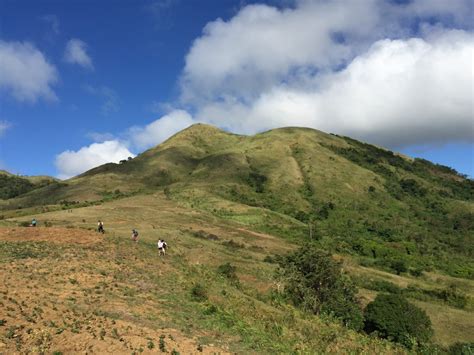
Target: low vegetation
290, 241
394, 318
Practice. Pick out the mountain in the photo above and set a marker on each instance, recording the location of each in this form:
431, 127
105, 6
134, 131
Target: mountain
358, 198
232, 207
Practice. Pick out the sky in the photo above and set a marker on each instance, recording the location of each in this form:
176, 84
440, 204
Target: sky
87, 82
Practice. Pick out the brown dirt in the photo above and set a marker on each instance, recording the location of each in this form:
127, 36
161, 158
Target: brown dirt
54, 235
77, 302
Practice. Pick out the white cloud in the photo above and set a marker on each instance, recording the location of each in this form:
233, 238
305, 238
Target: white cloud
76, 53
161, 129
70, 163
25, 73
261, 45
398, 93
355, 68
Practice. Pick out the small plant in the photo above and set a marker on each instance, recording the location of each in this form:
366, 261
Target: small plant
228, 271
461, 349
150, 345
174, 352
115, 333
10, 333
210, 310
416, 272
199, 293
233, 244
162, 344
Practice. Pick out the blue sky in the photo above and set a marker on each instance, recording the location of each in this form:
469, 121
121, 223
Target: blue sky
86, 82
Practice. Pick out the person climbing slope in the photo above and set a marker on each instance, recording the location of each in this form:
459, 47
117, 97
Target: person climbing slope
100, 227
162, 247
135, 235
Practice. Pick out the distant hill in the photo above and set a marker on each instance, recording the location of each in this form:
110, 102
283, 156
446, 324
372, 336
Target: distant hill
14, 185
388, 210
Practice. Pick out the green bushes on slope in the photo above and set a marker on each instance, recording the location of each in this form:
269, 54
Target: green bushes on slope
394, 318
314, 282
12, 186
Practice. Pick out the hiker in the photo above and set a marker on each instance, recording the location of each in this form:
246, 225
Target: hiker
100, 227
162, 247
33, 222
135, 235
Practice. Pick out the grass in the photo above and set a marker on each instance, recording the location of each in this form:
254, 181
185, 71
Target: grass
94, 285
221, 199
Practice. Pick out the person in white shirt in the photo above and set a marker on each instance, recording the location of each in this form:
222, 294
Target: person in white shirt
162, 247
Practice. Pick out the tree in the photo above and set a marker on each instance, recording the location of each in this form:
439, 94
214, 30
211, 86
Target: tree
314, 282
394, 318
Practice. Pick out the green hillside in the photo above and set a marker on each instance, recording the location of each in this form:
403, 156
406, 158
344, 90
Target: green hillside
13, 185
389, 211
279, 242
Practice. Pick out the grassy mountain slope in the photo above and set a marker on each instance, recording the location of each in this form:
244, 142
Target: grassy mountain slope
359, 199
398, 225
13, 185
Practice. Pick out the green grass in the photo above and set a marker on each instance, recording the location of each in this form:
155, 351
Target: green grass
220, 198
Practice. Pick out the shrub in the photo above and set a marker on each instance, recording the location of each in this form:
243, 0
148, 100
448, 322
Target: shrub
315, 283
416, 272
228, 271
453, 297
399, 266
412, 187
461, 349
394, 318
199, 293
257, 181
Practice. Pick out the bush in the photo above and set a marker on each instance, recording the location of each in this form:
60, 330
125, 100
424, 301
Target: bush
394, 318
315, 283
228, 271
399, 266
461, 349
199, 293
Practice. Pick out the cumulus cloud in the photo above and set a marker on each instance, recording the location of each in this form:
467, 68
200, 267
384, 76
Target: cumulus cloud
398, 93
71, 163
261, 45
160, 129
375, 70
76, 53
25, 73
110, 149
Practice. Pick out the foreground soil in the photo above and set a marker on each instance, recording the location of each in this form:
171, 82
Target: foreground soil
60, 292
